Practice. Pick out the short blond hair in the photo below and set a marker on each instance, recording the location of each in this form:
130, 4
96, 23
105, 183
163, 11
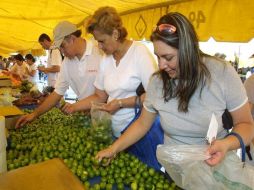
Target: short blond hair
106, 20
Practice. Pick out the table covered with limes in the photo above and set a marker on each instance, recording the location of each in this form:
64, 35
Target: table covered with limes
71, 138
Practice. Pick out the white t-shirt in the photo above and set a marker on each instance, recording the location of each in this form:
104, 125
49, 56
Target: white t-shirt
80, 74
30, 69
54, 58
121, 81
20, 70
224, 91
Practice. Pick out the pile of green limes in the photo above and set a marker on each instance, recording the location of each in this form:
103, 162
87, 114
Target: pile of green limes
69, 137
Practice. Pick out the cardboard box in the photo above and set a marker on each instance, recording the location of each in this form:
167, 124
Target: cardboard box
3, 164
11, 114
49, 175
5, 81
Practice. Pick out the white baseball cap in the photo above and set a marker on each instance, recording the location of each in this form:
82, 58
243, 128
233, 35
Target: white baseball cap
61, 30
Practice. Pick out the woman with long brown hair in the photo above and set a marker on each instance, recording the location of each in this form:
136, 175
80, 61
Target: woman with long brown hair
188, 89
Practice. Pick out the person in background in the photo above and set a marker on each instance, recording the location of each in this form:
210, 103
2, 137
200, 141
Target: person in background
189, 87
19, 69
54, 60
248, 73
78, 70
126, 64
9, 63
2, 65
31, 67
240, 74
5, 60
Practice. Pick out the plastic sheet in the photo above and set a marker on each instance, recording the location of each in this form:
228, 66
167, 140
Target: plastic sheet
185, 164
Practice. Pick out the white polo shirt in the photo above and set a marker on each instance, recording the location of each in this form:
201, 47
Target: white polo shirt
20, 70
30, 69
80, 74
54, 58
121, 81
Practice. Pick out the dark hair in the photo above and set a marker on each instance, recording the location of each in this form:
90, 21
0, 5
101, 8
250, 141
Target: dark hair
106, 20
19, 57
192, 71
43, 37
77, 33
30, 57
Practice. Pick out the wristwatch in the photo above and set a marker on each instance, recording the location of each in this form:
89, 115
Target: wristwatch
120, 104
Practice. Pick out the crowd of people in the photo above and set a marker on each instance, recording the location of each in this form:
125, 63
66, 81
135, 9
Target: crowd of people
24, 67
185, 89
21, 68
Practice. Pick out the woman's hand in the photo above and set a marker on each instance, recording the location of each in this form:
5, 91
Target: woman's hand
6, 72
16, 76
112, 106
108, 153
68, 108
217, 150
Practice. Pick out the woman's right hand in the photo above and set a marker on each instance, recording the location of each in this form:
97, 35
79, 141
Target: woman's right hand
25, 119
217, 150
68, 108
112, 106
108, 153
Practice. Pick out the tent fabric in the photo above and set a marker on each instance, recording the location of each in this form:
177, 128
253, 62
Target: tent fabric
22, 21
224, 20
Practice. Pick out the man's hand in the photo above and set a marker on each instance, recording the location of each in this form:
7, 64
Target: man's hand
25, 119
42, 68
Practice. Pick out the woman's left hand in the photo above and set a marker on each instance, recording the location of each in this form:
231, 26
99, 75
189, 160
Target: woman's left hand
112, 106
217, 150
68, 108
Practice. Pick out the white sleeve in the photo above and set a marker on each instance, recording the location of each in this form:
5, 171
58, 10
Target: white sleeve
62, 83
33, 68
56, 58
146, 65
99, 81
234, 90
151, 94
13, 68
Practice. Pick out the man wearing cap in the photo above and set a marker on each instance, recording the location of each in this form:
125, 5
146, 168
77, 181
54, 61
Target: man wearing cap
54, 60
78, 70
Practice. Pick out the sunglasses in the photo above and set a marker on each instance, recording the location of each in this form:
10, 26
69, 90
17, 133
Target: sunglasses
165, 29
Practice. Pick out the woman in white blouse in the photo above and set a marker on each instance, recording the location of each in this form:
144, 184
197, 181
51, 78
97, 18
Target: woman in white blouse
19, 69
31, 67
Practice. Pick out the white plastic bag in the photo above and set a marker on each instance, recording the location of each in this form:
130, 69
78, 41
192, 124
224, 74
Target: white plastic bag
185, 165
233, 175
101, 124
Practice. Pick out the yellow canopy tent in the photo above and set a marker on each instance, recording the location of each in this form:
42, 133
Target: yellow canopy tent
224, 20
22, 21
